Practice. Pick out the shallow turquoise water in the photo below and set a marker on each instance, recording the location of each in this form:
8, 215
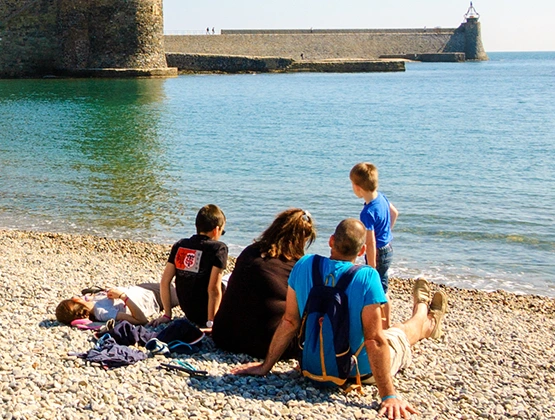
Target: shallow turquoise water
465, 152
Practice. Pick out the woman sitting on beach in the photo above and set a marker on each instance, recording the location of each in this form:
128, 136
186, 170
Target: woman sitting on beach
254, 301
134, 304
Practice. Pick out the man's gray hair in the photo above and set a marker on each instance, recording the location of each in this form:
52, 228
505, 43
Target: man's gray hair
350, 236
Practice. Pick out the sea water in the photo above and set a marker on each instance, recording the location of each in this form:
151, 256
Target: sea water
465, 151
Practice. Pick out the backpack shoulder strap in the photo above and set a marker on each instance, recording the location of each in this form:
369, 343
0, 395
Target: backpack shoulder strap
316, 271
347, 277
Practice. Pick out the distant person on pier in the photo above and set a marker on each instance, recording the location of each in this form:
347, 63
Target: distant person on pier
379, 216
197, 264
254, 301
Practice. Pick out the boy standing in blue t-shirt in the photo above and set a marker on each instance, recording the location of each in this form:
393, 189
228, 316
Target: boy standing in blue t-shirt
379, 216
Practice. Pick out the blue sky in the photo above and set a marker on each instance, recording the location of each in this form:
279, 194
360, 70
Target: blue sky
507, 25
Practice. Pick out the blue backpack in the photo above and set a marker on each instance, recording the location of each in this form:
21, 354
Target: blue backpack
326, 356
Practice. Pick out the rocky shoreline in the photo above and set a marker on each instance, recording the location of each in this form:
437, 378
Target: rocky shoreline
496, 360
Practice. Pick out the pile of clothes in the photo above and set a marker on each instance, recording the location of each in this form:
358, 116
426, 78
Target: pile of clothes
112, 348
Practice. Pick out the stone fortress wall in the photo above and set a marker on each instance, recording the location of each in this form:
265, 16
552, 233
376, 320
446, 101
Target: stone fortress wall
81, 37
27, 41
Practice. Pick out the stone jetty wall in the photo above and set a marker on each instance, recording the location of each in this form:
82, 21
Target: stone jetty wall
332, 44
313, 46
227, 63
198, 63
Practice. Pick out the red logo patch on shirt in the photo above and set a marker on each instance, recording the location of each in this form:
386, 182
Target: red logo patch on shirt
188, 260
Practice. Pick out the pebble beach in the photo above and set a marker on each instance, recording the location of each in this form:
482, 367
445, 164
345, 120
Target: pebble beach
495, 361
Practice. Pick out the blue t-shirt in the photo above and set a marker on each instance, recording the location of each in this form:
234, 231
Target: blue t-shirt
365, 289
375, 216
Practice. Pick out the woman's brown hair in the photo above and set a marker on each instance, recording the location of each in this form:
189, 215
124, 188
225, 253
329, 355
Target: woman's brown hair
68, 310
288, 235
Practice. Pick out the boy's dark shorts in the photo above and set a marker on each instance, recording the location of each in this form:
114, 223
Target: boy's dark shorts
383, 261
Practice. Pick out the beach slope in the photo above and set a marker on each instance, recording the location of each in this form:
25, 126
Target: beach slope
496, 360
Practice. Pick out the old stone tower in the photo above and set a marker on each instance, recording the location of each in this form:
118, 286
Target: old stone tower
82, 37
473, 48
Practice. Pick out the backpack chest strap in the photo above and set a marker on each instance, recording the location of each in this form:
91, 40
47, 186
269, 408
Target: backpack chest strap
343, 281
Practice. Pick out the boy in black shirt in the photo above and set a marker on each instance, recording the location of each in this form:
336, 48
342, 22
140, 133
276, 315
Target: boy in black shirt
197, 263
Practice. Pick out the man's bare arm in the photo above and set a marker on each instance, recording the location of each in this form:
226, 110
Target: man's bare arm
379, 356
377, 348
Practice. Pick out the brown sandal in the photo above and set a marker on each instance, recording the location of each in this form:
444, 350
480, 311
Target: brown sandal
438, 308
421, 292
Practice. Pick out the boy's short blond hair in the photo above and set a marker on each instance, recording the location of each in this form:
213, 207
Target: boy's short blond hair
365, 176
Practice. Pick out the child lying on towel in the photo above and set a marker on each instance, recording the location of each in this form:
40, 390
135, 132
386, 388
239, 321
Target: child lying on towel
134, 304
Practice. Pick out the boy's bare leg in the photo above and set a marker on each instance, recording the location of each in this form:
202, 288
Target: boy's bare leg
386, 313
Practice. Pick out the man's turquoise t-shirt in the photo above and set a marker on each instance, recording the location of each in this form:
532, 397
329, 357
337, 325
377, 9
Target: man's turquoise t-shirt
365, 289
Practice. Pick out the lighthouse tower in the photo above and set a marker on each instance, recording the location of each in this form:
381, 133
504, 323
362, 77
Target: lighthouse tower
474, 50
